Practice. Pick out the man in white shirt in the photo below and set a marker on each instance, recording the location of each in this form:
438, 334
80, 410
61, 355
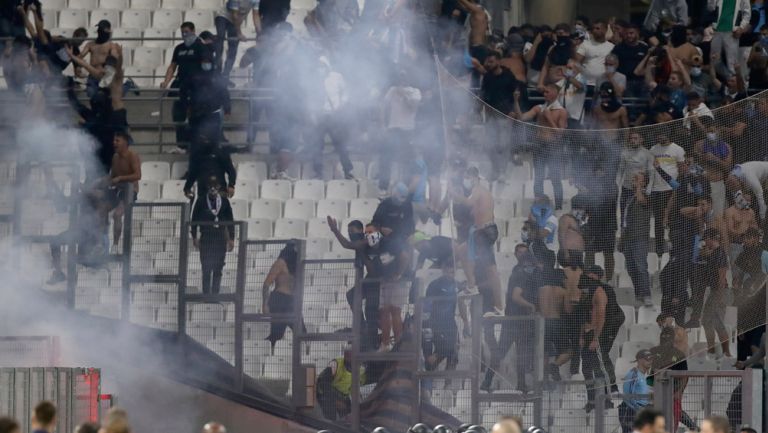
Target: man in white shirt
573, 91
401, 103
229, 23
694, 111
667, 158
331, 107
751, 175
592, 53
613, 76
732, 20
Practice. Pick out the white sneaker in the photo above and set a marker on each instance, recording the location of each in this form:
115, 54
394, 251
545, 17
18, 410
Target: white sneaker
469, 291
495, 313
281, 175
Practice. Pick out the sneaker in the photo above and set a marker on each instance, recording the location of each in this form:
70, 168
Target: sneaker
469, 291
486, 386
648, 302
281, 175
349, 176
177, 149
588, 407
554, 371
495, 313
56, 277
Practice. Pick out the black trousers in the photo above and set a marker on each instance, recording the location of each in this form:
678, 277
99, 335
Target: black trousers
370, 323
225, 30
337, 131
522, 335
597, 364
659, 200
213, 249
205, 128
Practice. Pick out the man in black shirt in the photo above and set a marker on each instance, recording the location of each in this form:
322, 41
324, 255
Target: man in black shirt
215, 239
522, 298
395, 214
438, 249
631, 52
185, 63
442, 321
497, 90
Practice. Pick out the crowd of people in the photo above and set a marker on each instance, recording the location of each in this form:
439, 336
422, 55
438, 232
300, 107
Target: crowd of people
699, 179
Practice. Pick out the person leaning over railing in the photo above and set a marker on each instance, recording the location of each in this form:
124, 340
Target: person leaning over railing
635, 384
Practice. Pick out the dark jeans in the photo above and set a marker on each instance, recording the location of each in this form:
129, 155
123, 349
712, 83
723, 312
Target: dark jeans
624, 197
636, 257
626, 417
659, 200
213, 249
332, 126
597, 364
279, 303
546, 160
225, 30
673, 280
206, 128
370, 322
522, 335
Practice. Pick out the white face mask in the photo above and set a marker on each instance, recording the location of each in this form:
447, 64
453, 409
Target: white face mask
189, 39
373, 238
580, 215
695, 71
610, 69
712, 136
62, 54
207, 67
468, 183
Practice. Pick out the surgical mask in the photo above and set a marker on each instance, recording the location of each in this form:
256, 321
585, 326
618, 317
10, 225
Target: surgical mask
524, 235
695, 71
468, 183
568, 72
189, 39
373, 238
712, 136
62, 54
610, 69
666, 34
207, 67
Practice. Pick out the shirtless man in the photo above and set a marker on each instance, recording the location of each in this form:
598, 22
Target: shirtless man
610, 113
514, 60
738, 219
546, 159
99, 50
554, 306
570, 233
478, 25
484, 234
716, 157
126, 170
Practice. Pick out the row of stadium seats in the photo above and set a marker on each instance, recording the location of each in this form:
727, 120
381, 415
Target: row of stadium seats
182, 5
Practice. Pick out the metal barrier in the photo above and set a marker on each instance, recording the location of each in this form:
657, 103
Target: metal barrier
29, 351
74, 391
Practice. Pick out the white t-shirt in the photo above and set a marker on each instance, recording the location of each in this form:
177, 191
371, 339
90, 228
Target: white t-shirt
571, 98
594, 58
401, 105
668, 157
701, 110
243, 6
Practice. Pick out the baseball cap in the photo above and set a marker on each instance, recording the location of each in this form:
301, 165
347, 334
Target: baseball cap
643, 354
104, 24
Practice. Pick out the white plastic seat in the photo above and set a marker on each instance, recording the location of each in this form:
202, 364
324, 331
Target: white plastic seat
180, 5
300, 209
160, 228
155, 170
179, 169
58, 31
136, 18
309, 189
260, 228
88, 5
205, 313
246, 189
148, 57
73, 18
270, 209
316, 248
210, 5
239, 209
342, 189
203, 19
173, 190
158, 33
648, 314
148, 190
123, 32
290, 228
143, 77
363, 207
111, 15
629, 315
318, 228
252, 170
335, 208
119, 5
166, 19
644, 332
54, 5
277, 189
